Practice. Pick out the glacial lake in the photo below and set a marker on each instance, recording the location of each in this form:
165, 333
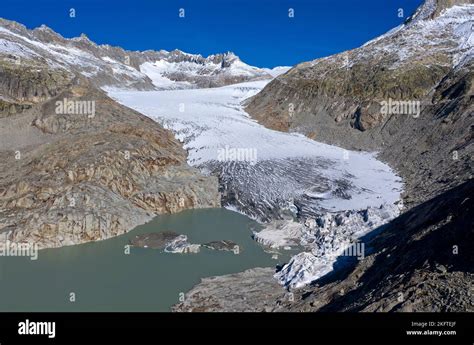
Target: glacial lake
104, 278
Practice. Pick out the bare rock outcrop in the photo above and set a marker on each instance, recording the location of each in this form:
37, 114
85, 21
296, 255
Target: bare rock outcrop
77, 166
253, 290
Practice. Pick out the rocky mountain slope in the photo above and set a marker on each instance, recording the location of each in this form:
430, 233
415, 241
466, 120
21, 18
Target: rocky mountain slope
75, 165
114, 67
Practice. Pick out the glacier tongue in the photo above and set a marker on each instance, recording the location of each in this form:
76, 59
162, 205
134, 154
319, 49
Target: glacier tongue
266, 174
329, 237
275, 168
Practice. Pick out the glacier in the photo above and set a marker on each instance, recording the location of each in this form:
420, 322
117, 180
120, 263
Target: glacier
293, 184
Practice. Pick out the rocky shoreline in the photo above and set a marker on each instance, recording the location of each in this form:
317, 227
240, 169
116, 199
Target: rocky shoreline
253, 290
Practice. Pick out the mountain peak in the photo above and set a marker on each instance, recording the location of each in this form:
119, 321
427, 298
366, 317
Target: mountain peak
115, 67
45, 33
44, 28
83, 37
224, 59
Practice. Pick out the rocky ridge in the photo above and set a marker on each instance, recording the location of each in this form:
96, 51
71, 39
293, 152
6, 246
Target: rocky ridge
114, 67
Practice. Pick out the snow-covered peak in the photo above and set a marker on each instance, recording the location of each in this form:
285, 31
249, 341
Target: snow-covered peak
177, 70
114, 67
435, 34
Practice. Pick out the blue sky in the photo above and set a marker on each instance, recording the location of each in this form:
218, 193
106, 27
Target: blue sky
259, 31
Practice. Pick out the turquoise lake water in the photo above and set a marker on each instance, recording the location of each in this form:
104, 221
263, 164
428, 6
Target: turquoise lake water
103, 278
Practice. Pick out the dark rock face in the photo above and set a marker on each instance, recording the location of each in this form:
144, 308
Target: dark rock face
422, 261
155, 240
32, 85
23, 86
434, 152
